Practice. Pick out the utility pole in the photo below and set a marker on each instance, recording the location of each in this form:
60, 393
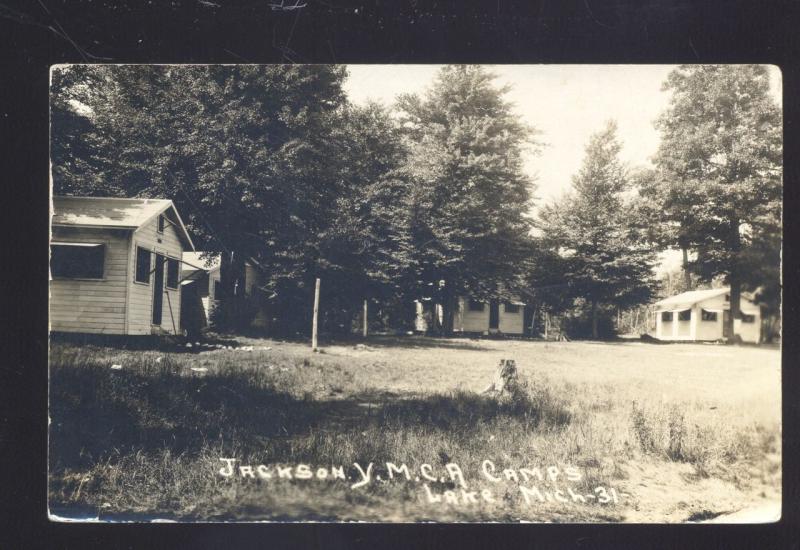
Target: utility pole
316, 314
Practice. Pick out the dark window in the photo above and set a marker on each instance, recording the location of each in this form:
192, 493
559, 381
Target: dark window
142, 265
161, 223
475, 305
511, 308
172, 273
727, 297
217, 290
77, 260
666, 316
685, 315
706, 315
748, 318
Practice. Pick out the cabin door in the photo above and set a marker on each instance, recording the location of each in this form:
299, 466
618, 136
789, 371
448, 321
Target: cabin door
158, 289
726, 333
494, 315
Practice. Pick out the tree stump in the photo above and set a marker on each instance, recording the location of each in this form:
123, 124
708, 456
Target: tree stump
506, 379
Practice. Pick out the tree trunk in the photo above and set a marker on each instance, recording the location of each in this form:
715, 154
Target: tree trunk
365, 319
594, 319
546, 324
231, 272
448, 309
736, 293
734, 279
687, 279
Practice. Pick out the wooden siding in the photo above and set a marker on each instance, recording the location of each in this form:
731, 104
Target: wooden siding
512, 323
467, 320
93, 306
140, 300
478, 321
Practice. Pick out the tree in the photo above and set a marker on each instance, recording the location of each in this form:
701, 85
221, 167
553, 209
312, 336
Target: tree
468, 195
720, 176
365, 246
606, 258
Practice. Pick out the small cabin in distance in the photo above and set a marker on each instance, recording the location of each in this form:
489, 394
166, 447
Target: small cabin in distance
700, 315
115, 266
476, 316
201, 288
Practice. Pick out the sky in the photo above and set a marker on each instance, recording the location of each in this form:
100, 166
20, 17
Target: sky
567, 103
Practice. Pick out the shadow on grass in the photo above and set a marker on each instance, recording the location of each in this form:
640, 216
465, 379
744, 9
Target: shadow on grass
164, 343
96, 412
416, 342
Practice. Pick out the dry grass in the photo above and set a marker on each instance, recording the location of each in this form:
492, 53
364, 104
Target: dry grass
680, 429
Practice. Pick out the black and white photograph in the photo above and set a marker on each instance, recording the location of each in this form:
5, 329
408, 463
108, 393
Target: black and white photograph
407, 293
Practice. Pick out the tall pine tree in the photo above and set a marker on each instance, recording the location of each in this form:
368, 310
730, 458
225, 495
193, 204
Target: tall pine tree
606, 257
468, 195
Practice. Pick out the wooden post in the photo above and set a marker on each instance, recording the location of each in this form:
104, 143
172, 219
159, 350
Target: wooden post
314, 322
366, 324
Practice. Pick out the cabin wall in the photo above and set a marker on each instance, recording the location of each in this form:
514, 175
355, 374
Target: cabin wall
750, 332
472, 321
709, 330
478, 321
86, 305
141, 295
511, 323
699, 330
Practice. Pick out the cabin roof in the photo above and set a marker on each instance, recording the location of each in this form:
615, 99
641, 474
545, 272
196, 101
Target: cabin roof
194, 261
692, 297
686, 300
113, 213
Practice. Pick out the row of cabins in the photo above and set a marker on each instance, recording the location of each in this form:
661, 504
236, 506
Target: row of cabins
129, 267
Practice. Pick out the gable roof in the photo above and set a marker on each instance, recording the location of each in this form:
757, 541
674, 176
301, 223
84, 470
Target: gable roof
193, 261
113, 212
692, 297
686, 300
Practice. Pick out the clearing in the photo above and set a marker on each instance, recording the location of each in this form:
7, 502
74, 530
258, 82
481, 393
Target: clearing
619, 431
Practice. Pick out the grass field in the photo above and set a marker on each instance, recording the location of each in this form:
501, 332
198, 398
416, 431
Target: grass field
622, 431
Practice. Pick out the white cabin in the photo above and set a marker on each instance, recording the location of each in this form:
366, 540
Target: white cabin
700, 315
477, 317
115, 266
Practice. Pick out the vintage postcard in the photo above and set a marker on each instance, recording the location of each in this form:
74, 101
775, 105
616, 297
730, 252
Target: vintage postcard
415, 293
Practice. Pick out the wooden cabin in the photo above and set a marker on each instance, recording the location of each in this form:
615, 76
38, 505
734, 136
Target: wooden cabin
200, 286
475, 316
700, 315
115, 266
